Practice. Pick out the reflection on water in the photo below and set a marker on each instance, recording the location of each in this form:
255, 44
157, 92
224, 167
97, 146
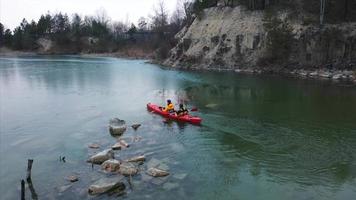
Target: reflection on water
261, 138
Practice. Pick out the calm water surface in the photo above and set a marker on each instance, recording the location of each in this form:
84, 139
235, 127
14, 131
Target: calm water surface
261, 138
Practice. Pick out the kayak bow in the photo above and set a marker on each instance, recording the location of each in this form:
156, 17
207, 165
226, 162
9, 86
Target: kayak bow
186, 118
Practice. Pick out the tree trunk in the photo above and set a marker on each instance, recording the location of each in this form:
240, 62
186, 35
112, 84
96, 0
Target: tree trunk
29, 168
346, 9
322, 11
22, 189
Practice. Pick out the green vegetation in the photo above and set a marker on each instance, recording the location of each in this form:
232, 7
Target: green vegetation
97, 33
335, 11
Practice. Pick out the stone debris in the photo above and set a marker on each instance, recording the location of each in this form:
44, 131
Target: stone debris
135, 126
72, 178
94, 146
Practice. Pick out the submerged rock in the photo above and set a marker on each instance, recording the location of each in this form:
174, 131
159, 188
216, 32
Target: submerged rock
64, 188
123, 143
211, 105
94, 146
111, 165
170, 186
155, 172
136, 139
128, 169
180, 176
135, 126
160, 164
101, 157
117, 126
72, 178
153, 163
116, 146
137, 159
106, 185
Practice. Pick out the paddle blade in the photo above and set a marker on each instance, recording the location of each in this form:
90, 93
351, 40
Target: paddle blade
194, 109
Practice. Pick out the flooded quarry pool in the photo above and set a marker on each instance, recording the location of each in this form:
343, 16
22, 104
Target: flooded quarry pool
262, 137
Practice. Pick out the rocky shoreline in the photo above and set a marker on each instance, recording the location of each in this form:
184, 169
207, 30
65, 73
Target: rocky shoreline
334, 75
120, 54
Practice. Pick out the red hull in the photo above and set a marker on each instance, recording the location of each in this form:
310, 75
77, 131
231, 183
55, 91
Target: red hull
185, 118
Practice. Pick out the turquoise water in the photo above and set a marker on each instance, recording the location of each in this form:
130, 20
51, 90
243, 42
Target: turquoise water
262, 137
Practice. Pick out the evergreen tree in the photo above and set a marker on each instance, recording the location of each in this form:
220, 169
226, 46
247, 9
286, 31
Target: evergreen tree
2, 33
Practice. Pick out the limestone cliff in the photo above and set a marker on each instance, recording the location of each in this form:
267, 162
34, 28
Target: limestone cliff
237, 39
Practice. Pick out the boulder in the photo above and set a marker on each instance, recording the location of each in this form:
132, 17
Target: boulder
111, 165
137, 159
155, 172
101, 157
106, 185
123, 143
337, 76
135, 126
313, 74
94, 146
117, 126
72, 178
116, 146
325, 74
128, 169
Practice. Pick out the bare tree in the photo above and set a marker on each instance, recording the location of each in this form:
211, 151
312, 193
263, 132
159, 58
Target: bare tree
160, 18
102, 16
119, 29
178, 15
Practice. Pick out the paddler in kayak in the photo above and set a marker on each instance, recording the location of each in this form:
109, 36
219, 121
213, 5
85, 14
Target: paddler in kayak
182, 110
169, 108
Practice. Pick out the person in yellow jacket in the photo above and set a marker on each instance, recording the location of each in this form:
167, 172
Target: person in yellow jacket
170, 107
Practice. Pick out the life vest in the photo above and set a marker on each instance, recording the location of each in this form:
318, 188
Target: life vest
169, 108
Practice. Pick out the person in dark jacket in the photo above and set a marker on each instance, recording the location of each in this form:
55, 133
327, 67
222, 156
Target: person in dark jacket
182, 110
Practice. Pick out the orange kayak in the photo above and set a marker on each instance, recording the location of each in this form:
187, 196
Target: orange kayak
186, 118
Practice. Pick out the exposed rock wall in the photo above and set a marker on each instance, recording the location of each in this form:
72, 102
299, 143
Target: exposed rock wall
236, 39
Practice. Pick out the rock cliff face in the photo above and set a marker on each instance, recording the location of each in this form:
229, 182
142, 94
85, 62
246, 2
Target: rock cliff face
225, 38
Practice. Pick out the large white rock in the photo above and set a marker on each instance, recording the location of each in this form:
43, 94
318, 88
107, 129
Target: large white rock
101, 157
105, 185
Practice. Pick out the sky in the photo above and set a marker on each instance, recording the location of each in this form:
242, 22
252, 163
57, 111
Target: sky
13, 11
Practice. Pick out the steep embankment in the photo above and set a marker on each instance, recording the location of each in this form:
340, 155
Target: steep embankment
253, 41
